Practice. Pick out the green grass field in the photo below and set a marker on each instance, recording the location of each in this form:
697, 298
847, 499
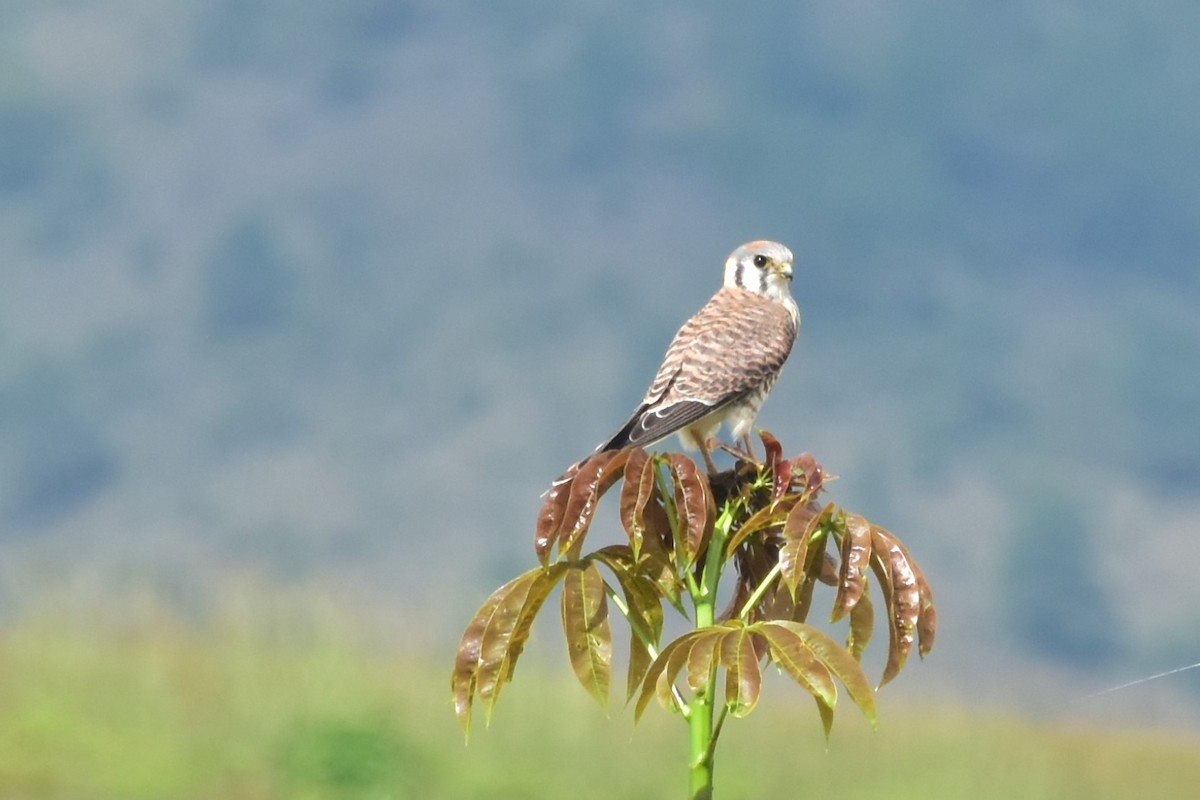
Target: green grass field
153, 708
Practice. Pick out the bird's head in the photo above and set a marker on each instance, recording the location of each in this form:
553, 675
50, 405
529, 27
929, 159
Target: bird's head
762, 267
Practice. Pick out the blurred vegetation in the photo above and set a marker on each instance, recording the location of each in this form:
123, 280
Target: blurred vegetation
319, 247
286, 701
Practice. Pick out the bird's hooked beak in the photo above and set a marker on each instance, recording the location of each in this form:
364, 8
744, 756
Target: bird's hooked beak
784, 270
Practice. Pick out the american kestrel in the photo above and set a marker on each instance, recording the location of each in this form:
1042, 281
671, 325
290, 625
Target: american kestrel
723, 361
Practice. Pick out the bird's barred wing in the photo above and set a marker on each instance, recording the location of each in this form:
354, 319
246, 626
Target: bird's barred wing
733, 346
652, 423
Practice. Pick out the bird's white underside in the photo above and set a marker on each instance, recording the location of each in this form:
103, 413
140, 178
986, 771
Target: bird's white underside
738, 418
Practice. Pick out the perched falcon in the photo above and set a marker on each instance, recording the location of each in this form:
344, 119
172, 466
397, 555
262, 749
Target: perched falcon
723, 361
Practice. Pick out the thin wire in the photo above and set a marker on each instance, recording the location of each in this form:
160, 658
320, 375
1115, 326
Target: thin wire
1142, 680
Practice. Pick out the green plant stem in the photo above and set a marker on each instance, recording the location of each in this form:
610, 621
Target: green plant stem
759, 591
700, 721
644, 637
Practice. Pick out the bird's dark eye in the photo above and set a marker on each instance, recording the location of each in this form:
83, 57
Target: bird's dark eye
761, 261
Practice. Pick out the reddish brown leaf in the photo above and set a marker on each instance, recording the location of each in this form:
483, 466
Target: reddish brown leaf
693, 505
882, 568
818, 565
701, 661
639, 664
927, 621
773, 448
926, 626
550, 520
495, 637
467, 659
805, 463
781, 479
804, 595
654, 560
512, 638
816, 481
665, 685
837, 659
862, 626
657, 540
761, 650
802, 522
594, 478
793, 655
779, 467
586, 625
669, 654
828, 572
639, 489
778, 604
904, 606
643, 598
855, 559
743, 675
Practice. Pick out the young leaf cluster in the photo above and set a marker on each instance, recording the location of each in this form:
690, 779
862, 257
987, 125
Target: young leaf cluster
683, 529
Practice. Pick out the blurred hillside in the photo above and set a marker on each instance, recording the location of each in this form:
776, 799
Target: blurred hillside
328, 292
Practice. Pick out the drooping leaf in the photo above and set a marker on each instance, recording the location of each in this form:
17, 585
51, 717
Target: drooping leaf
594, 478
510, 638
743, 675
664, 687
658, 542
778, 603
826, 713
645, 603
855, 560
862, 626
467, 659
643, 598
741, 594
639, 489
828, 571
926, 625
550, 520
818, 566
904, 607
927, 621
837, 659
882, 568
639, 664
659, 666
654, 560
803, 600
587, 628
702, 661
802, 522
495, 637
762, 650
693, 504
793, 655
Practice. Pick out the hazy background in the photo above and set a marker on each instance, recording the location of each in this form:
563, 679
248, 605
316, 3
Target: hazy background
319, 297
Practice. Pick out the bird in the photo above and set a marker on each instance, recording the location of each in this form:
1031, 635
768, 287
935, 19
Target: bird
722, 363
